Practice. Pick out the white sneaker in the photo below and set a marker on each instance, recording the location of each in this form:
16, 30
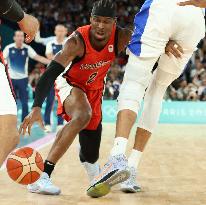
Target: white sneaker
59, 127
114, 172
48, 128
44, 186
131, 186
91, 169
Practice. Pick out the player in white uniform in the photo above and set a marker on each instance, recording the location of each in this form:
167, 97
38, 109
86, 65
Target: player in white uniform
157, 22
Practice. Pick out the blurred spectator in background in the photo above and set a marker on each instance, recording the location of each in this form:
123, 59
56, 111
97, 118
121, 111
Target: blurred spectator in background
17, 55
35, 75
52, 48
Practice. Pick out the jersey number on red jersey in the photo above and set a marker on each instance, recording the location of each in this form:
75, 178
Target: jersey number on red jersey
92, 78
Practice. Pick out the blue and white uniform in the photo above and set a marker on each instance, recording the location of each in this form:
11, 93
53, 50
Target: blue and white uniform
158, 22
17, 60
53, 47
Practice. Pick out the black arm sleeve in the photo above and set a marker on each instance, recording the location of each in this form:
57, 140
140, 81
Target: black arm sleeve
46, 82
11, 10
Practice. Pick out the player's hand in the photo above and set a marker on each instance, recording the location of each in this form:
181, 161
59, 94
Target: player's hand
173, 48
197, 3
30, 119
30, 26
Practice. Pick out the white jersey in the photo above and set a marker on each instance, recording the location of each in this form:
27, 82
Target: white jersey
161, 20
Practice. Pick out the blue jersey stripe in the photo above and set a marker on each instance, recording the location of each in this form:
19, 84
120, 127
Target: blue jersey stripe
56, 48
140, 23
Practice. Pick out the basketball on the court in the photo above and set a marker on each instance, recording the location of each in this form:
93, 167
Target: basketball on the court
25, 165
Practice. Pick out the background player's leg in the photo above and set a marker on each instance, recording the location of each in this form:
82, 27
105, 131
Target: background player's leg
89, 150
15, 87
60, 122
48, 110
23, 96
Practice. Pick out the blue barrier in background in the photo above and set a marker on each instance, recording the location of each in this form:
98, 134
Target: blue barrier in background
172, 112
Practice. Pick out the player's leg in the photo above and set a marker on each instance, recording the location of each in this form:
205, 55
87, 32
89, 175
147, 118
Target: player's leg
48, 110
150, 115
89, 150
78, 108
23, 96
9, 136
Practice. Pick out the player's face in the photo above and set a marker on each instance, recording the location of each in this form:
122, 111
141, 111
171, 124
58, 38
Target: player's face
101, 27
60, 31
19, 37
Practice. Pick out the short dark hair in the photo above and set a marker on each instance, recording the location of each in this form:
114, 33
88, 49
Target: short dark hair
105, 8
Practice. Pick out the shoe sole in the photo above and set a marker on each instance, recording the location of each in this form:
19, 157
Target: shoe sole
104, 188
130, 190
44, 192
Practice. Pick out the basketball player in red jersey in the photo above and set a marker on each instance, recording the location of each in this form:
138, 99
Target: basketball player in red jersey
90, 50
9, 136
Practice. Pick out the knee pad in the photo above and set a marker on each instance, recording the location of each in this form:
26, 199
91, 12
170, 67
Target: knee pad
89, 144
88, 156
130, 97
136, 79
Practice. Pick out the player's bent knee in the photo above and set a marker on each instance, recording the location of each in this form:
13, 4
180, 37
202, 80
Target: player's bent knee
83, 118
131, 95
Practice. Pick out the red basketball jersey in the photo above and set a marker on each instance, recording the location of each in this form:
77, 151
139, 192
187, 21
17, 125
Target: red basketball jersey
88, 72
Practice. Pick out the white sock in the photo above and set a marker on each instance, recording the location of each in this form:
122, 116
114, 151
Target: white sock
120, 145
134, 158
91, 169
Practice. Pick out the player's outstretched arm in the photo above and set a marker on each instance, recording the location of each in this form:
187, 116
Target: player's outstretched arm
197, 3
73, 48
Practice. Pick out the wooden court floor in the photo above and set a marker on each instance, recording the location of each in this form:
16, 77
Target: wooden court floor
172, 172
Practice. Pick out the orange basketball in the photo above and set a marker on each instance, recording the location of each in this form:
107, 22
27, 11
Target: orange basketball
25, 165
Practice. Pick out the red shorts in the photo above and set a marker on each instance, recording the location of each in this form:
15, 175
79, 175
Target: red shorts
63, 90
